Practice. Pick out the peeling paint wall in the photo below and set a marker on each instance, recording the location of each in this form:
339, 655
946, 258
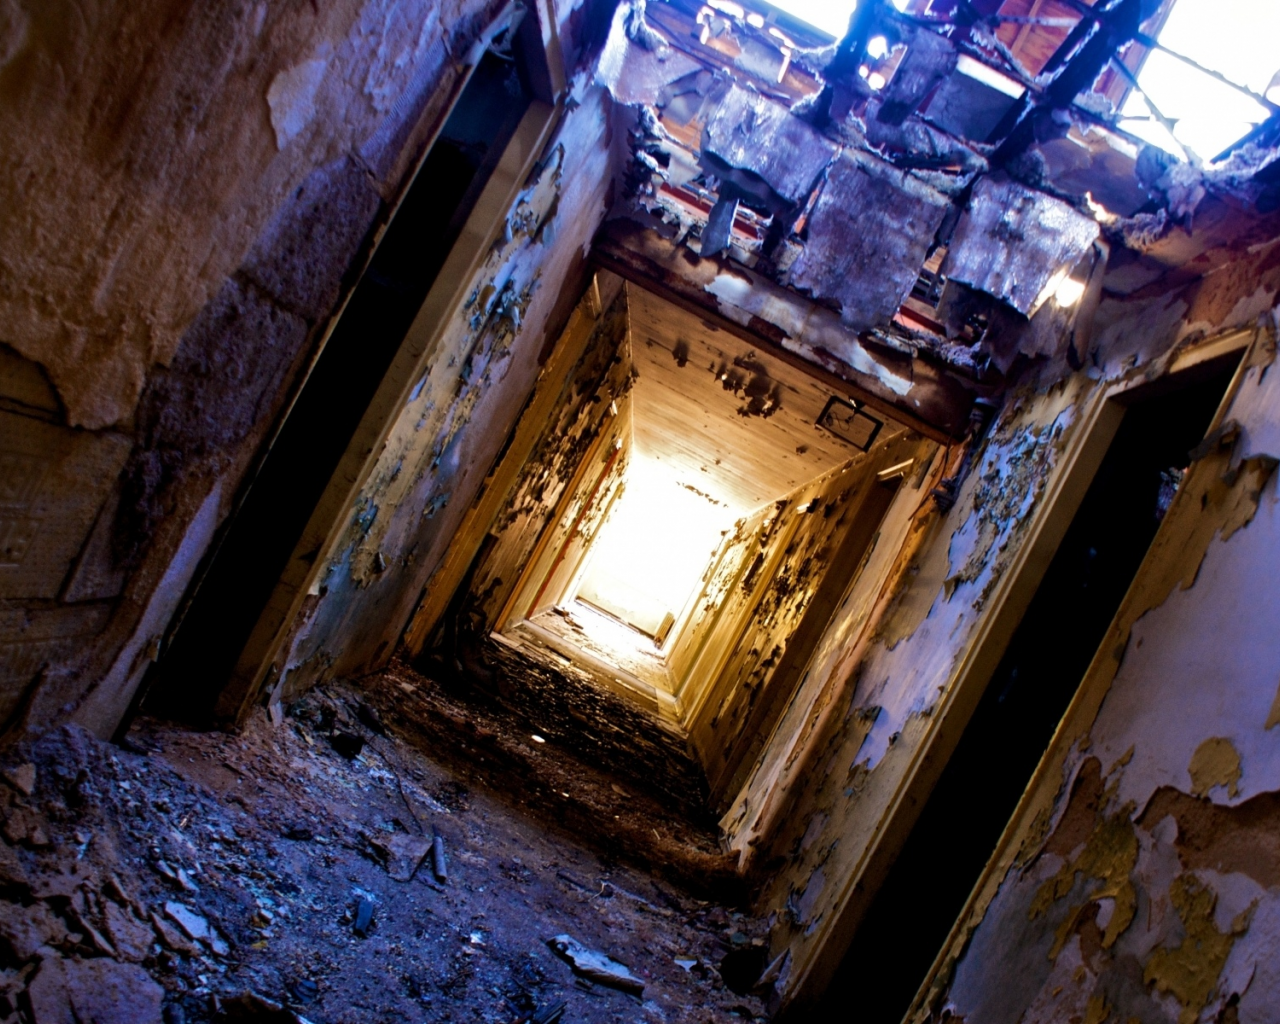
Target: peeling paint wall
444, 442
823, 789
748, 655
185, 191
1144, 884
586, 422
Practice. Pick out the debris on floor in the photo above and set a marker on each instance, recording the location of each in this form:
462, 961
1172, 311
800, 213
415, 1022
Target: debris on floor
594, 966
270, 876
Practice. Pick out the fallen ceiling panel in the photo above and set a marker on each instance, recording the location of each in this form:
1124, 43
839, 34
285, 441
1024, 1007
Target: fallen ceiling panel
1013, 243
754, 134
868, 236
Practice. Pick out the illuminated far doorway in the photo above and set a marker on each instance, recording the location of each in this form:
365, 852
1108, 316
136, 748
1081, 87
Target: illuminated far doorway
709, 532
651, 554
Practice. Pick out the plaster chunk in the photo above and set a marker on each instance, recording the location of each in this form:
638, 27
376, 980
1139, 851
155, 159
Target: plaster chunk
292, 98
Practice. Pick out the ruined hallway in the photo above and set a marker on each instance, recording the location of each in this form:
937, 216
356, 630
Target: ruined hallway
555, 510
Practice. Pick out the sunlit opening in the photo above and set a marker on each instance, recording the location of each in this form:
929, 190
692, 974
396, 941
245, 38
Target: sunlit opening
1236, 38
1068, 293
831, 16
650, 556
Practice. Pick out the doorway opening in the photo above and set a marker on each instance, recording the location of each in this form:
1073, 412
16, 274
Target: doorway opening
241, 572
912, 913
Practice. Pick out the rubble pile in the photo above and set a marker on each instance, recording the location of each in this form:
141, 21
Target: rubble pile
316, 868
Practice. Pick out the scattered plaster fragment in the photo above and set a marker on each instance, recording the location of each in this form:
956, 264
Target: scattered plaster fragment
292, 99
1190, 970
1216, 762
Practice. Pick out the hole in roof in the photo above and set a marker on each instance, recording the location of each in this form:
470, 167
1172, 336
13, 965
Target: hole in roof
829, 16
1237, 39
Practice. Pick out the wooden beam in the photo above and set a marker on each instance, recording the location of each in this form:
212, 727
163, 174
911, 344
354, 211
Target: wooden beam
801, 333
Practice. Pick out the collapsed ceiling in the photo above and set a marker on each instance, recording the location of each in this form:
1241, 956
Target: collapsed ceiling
953, 181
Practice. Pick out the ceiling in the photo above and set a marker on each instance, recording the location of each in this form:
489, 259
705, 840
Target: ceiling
733, 421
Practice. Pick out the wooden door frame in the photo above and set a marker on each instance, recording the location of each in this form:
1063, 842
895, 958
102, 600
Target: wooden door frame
1101, 419
326, 527
1042, 789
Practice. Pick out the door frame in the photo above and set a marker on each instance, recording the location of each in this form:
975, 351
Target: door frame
1046, 783
1083, 455
327, 524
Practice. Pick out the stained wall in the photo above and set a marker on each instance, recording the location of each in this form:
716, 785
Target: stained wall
812, 817
457, 420
1140, 879
186, 188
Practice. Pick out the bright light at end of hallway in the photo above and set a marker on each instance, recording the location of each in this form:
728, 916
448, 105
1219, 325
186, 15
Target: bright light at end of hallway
650, 556
1069, 292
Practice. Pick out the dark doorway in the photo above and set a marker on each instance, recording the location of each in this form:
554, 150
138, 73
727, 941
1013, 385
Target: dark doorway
255, 547
1047, 657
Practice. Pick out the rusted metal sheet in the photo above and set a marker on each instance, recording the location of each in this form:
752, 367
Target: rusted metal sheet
1012, 243
754, 134
868, 237
914, 390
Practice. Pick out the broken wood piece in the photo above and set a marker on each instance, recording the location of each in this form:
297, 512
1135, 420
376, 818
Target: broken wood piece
93, 937
364, 916
595, 966
171, 936
196, 927
439, 866
131, 937
549, 1014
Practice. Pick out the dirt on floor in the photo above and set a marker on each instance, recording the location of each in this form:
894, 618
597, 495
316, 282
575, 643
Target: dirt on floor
321, 868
